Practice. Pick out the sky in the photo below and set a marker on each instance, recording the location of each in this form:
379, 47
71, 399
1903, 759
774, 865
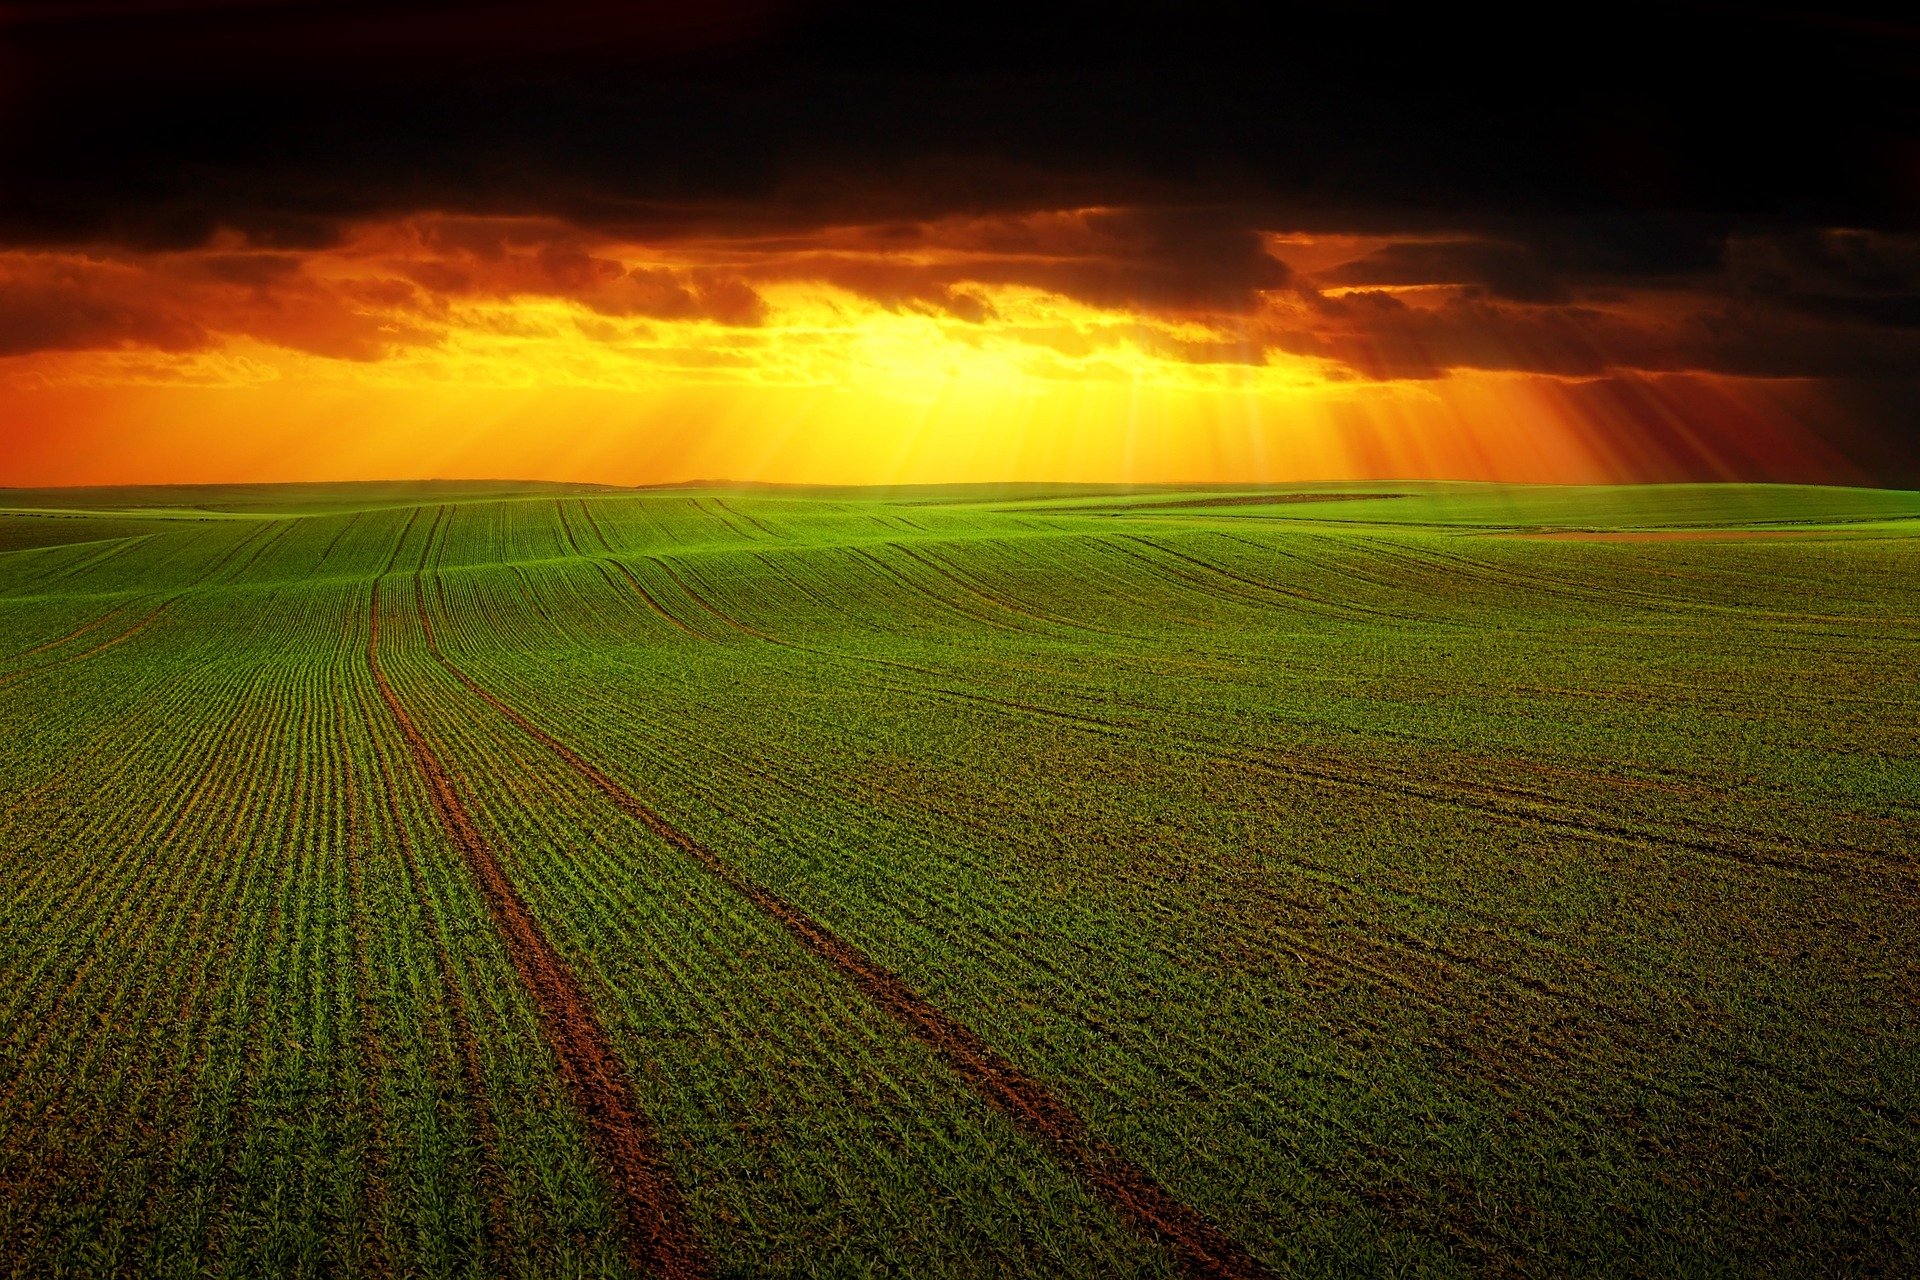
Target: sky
861, 243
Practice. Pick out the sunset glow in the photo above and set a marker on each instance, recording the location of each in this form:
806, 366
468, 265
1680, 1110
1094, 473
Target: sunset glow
1035, 347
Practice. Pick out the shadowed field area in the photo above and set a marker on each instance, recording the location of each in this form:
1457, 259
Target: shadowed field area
475, 879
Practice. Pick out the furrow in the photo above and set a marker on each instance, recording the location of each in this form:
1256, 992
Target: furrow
1202, 1248
658, 1236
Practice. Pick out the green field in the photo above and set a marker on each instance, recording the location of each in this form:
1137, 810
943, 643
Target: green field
494, 879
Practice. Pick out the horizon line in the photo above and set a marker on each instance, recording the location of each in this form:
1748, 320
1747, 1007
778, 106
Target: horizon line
1121, 485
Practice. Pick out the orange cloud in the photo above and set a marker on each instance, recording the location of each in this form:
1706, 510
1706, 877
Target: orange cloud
1128, 343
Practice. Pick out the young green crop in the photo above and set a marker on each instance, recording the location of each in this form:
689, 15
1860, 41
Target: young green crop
1478, 877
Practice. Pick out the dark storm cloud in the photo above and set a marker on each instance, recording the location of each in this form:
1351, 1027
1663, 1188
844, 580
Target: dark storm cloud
1196, 260
61, 316
1855, 275
1382, 336
1503, 270
186, 302
1717, 188
450, 258
154, 124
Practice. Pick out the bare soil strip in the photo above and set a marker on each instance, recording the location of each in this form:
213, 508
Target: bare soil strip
75, 634
373, 1054
1121, 505
658, 1237
609, 559
1200, 1246
1246, 500
84, 654
652, 603
594, 524
1519, 804
473, 1080
559, 509
926, 558
1664, 535
145, 622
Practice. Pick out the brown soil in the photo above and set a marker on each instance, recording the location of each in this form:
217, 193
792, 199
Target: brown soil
657, 1235
373, 1054
567, 528
593, 523
75, 634
652, 603
1121, 507
936, 564
702, 601
1261, 500
1201, 1247
1665, 535
102, 647
466, 1043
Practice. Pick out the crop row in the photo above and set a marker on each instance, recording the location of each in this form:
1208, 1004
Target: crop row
1376, 899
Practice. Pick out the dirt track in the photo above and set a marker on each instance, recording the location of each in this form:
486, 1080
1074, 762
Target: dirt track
1202, 1249
659, 1240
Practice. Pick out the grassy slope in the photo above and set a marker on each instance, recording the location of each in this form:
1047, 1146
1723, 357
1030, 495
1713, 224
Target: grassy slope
1395, 890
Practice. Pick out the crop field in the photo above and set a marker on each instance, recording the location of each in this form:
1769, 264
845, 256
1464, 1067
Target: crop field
549, 881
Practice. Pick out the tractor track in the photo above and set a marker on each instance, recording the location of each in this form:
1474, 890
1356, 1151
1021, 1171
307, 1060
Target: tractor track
1202, 1249
658, 1238
1509, 802
654, 605
148, 620
75, 634
369, 1043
